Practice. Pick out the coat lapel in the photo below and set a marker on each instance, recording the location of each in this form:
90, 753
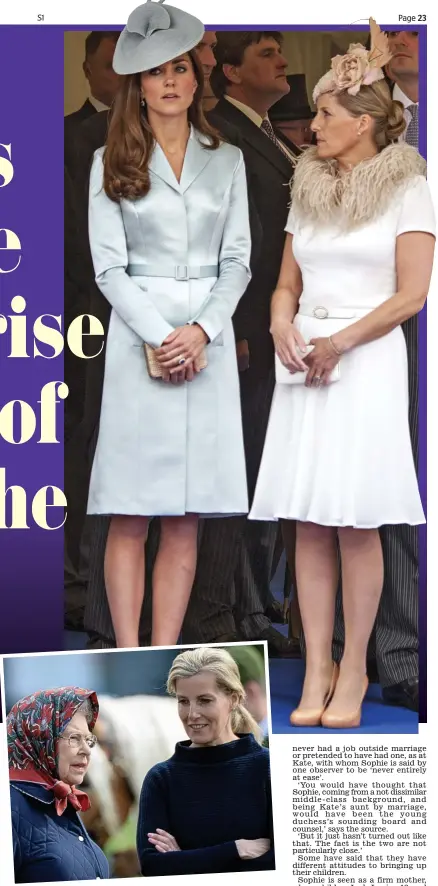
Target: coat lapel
196, 157
195, 160
294, 149
252, 135
159, 165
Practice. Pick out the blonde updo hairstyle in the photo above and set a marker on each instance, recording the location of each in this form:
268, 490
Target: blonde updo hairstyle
221, 664
376, 101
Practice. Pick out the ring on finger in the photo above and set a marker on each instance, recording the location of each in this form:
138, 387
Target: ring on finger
180, 360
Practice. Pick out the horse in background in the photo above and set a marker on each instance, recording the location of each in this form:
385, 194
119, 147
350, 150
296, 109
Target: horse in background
134, 733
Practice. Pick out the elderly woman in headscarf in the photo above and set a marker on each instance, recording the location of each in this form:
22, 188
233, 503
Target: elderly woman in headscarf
49, 745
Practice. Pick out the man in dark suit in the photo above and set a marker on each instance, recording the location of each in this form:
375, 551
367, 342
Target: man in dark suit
402, 70
102, 81
236, 557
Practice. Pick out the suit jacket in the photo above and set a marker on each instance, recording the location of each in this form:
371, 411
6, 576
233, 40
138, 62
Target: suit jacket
71, 124
268, 174
86, 110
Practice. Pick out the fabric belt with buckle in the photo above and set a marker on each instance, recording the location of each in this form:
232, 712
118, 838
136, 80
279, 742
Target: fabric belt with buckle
178, 272
322, 313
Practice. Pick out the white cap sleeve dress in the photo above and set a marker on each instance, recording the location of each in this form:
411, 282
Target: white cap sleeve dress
340, 455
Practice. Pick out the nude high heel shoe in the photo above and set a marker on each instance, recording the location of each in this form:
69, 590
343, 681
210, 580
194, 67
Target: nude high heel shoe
345, 721
312, 716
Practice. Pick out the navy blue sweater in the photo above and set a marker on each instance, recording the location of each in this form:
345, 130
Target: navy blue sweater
207, 798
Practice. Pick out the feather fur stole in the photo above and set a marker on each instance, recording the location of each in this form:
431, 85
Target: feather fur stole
320, 194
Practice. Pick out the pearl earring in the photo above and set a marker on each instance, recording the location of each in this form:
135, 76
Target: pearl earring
142, 102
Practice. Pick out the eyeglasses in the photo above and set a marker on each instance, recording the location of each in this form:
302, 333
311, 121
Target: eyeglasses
75, 739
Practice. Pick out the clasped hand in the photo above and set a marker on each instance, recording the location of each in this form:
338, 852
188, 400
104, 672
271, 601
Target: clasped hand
321, 361
291, 349
184, 343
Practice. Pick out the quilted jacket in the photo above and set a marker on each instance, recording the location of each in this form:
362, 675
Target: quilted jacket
48, 847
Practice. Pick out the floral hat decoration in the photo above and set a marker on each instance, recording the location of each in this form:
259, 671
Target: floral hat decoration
358, 67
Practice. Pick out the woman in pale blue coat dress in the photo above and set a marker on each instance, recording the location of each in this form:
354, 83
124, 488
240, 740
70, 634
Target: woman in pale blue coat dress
169, 235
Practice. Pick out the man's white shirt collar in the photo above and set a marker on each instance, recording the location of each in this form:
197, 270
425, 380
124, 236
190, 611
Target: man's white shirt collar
257, 119
99, 106
249, 112
399, 96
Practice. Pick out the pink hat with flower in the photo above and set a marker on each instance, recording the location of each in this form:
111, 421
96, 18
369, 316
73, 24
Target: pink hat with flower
358, 67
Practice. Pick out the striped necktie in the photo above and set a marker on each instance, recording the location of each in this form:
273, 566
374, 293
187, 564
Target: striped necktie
412, 130
267, 128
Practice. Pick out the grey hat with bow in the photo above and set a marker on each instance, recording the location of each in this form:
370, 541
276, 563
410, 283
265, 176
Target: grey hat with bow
155, 34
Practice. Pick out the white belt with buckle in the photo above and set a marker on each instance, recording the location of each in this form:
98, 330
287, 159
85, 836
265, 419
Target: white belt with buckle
323, 313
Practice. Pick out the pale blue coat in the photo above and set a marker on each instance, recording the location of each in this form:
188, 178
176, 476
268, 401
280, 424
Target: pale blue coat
168, 449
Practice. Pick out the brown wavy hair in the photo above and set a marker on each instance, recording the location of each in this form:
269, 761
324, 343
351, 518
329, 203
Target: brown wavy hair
131, 140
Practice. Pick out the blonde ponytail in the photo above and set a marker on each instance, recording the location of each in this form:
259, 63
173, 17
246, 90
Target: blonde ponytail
220, 663
243, 722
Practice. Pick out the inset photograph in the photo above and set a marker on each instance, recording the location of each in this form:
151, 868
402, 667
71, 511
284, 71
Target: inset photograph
149, 762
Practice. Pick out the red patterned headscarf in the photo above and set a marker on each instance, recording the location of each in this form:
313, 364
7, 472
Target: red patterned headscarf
33, 727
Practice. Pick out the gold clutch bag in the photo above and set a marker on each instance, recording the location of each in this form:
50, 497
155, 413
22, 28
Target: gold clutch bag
154, 367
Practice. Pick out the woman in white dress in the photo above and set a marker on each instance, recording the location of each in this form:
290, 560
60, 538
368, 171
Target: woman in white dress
169, 237
337, 457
